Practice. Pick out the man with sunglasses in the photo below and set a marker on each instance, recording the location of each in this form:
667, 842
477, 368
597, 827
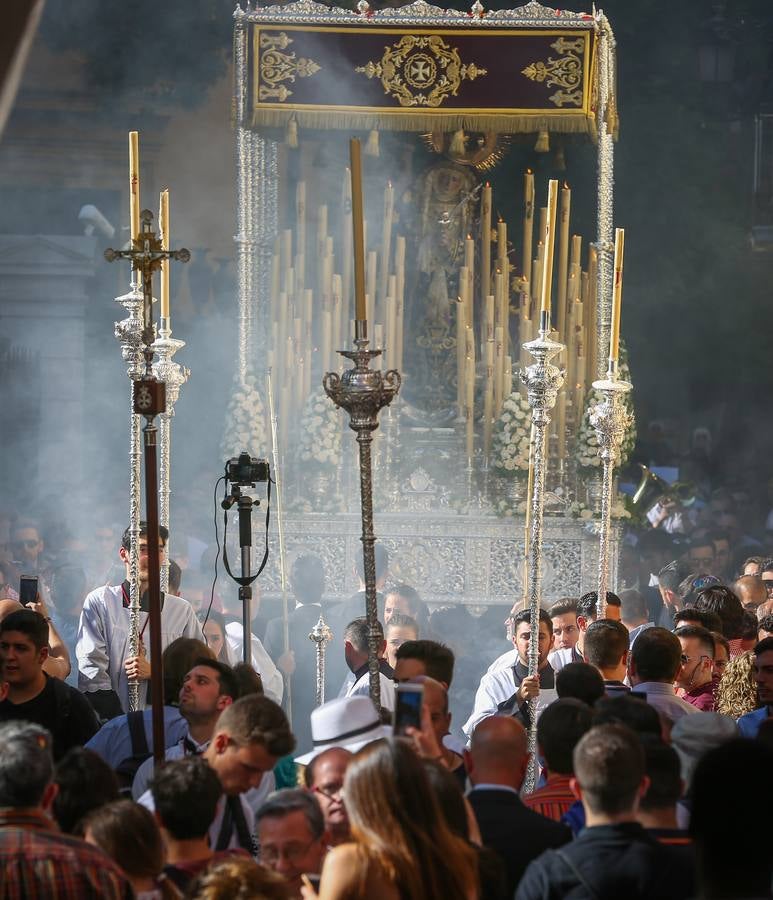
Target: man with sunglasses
694, 680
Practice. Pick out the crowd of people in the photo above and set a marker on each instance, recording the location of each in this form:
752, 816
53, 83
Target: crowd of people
634, 763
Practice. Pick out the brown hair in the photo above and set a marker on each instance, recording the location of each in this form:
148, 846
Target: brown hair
129, 835
737, 690
257, 720
238, 878
178, 659
397, 822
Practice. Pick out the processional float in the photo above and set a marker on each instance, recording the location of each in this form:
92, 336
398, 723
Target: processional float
462, 80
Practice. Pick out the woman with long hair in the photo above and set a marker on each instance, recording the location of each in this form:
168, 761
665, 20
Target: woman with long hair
403, 849
737, 690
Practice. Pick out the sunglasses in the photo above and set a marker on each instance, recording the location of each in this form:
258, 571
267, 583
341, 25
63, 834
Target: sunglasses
29, 544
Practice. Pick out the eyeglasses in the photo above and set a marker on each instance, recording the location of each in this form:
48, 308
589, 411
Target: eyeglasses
335, 794
685, 658
293, 853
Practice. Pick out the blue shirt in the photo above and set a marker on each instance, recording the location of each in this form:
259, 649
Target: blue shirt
113, 741
749, 724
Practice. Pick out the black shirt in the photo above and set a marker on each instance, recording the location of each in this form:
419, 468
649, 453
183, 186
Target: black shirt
61, 709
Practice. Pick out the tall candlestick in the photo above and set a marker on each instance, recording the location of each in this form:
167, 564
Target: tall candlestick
490, 319
550, 241
499, 361
563, 261
134, 184
338, 317
300, 224
501, 242
327, 340
386, 238
163, 227
528, 223
470, 398
357, 223
370, 284
346, 272
617, 296
321, 230
485, 241
488, 397
400, 300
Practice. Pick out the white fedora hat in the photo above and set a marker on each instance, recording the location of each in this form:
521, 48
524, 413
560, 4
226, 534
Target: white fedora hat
350, 722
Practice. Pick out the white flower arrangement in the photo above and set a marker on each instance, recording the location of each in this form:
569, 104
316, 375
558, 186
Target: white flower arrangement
578, 510
320, 433
245, 421
512, 431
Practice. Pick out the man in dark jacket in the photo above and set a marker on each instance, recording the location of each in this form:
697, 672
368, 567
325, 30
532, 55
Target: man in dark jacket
613, 856
496, 765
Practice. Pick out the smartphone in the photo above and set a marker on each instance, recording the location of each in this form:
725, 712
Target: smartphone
28, 589
408, 700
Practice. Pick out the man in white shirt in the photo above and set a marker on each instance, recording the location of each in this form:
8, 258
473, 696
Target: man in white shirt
356, 656
248, 740
653, 664
561, 614
507, 691
104, 668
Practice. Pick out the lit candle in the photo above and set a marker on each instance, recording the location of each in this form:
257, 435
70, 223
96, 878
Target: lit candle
550, 240
485, 241
134, 184
489, 309
563, 260
501, 242
528, 224
307, 308
163, 227
617, 296
357, 230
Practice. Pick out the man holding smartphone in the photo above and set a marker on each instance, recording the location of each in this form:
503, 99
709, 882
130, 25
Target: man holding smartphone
104, 666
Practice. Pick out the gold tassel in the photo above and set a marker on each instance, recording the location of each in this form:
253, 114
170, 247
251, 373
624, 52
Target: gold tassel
457, 143
292, 134
543, 142
371, 148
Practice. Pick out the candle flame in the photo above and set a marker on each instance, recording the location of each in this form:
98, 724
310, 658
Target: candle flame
529, 172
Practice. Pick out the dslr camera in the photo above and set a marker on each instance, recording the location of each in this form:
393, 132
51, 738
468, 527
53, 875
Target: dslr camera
246, 470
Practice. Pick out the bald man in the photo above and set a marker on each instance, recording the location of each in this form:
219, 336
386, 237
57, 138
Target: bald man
496, 762
57, 662
751, 591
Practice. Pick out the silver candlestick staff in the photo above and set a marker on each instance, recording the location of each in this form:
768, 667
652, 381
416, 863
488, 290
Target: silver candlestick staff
543, 380
363, 392
174, 377
320, 634
129, 333
610, 420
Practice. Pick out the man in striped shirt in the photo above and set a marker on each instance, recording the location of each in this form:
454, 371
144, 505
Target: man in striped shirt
559, 729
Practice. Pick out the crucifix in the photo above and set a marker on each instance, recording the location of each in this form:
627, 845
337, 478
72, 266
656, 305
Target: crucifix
149, 400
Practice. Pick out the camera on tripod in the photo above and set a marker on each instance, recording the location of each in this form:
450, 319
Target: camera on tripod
246, 470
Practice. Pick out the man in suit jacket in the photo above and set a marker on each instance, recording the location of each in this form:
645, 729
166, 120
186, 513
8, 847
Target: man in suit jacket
307, 580
496, 765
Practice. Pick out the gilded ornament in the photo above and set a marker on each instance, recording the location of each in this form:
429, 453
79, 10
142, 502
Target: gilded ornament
276, 67
421, 70
563, 72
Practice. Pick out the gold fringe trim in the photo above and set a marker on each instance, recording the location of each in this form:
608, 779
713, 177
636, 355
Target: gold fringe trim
543, 142
372, 147
576, 123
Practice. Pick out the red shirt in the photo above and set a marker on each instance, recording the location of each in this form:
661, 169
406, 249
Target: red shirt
552, 800
701, 697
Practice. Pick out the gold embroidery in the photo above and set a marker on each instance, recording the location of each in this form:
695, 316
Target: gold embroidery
276, 67
421, 71
565, 72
